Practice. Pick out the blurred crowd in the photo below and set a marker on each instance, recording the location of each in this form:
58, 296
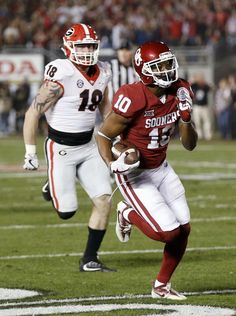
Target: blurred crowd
42, 23
214, 108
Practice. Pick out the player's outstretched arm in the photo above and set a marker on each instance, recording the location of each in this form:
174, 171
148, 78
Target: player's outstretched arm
48, 95
188, 134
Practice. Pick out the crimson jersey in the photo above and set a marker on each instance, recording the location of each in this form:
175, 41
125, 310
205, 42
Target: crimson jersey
153, 119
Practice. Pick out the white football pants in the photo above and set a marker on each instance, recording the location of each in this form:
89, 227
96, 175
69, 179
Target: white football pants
157, 195
66, 164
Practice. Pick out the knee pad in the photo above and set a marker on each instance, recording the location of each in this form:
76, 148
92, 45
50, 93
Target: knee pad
66, 215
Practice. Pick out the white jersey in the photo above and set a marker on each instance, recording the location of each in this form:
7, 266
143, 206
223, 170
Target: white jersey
75, 110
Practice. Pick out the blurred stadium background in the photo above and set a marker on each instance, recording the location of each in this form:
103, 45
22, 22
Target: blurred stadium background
201, 32
40, 253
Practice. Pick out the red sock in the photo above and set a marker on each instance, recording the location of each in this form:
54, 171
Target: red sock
173, 253
176, 243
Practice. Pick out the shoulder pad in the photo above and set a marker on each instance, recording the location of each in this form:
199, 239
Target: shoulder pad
58, 69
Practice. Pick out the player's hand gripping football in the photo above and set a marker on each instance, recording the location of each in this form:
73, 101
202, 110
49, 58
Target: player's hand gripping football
120, 167
185, 104
31, 162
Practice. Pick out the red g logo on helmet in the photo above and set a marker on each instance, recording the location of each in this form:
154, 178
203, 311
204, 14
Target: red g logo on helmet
155, 64
69, 32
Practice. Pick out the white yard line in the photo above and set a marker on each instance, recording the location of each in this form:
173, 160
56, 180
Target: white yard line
74, 225
203, 164
155, 309
11, 171
106, 253
200, 177
111, 298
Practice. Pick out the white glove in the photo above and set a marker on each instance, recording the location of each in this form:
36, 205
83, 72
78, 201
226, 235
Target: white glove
31, 162
185, 104
120, 167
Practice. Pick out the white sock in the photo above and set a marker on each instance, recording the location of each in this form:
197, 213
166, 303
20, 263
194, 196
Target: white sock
157, 283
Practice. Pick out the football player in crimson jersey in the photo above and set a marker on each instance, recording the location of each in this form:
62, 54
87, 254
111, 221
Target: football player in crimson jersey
72, 90
145, 114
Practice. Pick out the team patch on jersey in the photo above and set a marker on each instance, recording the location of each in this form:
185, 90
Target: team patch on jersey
80, 83
62, 152
149, 113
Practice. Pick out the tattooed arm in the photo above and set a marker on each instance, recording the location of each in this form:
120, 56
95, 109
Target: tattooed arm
48, 95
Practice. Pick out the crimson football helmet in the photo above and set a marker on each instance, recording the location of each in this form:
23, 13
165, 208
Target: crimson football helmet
155, 64
81, 45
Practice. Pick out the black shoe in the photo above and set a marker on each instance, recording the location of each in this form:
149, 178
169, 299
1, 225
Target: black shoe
94, 266
46, 192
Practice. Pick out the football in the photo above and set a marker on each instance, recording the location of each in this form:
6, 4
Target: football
131, 157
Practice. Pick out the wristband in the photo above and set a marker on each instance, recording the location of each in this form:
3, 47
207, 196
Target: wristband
30, 149
188, 122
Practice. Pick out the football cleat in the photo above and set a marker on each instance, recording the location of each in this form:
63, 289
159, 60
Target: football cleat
123, 228
165, 291
94, 266
46, 192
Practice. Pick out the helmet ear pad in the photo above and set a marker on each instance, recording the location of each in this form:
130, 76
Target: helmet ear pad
147, 80
66, 51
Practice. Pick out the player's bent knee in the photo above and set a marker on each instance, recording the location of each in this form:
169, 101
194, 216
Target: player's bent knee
103, 204
185, 230
169, 236
182, 231
66, 215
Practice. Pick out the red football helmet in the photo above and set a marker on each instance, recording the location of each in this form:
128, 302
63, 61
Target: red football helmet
81, 45
156, 64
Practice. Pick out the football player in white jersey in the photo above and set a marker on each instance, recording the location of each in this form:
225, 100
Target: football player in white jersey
72, 90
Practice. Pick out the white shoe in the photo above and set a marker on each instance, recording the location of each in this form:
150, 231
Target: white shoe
165, 291
123, 228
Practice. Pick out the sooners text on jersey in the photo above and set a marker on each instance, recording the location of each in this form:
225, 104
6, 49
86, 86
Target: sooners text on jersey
153, 119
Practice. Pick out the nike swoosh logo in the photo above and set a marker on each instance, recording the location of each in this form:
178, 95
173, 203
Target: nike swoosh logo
30, 161
45, 188
90, 269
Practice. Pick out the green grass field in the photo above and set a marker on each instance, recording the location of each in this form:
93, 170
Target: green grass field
40, 252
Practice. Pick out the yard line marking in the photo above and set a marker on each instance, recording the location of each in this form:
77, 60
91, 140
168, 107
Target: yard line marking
75, 225
208, 176
156, 309
104, 253
202, 147
213, 219
11, 175
206, 164
111, 298
14, 171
